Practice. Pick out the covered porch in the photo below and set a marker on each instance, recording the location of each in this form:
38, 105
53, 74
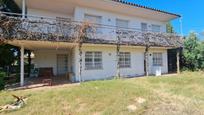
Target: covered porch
53, 62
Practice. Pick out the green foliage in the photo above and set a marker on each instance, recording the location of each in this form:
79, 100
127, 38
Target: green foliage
7, 55
169, 28
2, 82
193, 53
9, 6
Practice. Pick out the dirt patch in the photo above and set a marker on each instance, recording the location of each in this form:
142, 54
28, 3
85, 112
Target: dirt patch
131, 108
140, 100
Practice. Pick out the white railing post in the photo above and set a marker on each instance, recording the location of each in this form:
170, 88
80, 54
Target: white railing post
22, 66
23, 8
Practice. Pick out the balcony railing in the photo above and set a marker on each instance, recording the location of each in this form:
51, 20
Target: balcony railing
13, 27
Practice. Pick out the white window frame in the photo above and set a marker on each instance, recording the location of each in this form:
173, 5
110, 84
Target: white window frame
124, 60
93, 60
156, 28
157, 59
122, 25
97, 23
142, 27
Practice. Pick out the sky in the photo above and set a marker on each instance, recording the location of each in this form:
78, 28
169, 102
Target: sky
192, 12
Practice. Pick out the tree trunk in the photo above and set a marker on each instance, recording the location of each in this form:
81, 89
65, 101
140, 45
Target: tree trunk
80, 62
118, 57
147, 61
29, 63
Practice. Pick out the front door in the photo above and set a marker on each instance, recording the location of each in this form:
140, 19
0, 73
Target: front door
62, 64
172, 67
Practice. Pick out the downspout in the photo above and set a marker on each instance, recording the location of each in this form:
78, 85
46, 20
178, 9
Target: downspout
181, 26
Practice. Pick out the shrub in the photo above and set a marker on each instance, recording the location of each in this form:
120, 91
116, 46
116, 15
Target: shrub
193, 53
2, 82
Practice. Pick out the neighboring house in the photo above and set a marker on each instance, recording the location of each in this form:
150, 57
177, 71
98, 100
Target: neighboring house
122, 28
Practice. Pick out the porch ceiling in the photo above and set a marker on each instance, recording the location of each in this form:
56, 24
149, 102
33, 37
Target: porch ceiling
62, 6
46, 45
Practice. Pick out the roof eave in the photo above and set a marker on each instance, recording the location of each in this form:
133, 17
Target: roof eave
149, 8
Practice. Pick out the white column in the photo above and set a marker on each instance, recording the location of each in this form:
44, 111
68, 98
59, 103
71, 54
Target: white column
23, 8
178, 61
22, 66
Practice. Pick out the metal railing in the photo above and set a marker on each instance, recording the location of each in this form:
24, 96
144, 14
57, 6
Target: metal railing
13, 26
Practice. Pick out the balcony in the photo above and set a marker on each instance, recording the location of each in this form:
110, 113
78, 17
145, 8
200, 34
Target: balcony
13, 27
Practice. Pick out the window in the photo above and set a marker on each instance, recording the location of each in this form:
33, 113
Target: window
144, 27
95, 20
124, 60
157, 59
92, 18
122, 23
93, 60
156, 28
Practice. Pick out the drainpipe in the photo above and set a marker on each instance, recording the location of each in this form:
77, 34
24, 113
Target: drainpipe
181, 25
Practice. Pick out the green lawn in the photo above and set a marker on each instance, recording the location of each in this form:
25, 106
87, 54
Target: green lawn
169, 95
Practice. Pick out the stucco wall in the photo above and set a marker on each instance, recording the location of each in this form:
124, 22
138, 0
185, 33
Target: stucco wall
109, 18
109, 62
48, 58
46, 13
164, 67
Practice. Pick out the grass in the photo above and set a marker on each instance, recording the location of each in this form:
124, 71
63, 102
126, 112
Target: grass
167, 95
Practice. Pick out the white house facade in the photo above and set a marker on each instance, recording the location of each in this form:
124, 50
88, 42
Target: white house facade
97, 60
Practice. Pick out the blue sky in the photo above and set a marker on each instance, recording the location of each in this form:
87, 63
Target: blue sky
192, 12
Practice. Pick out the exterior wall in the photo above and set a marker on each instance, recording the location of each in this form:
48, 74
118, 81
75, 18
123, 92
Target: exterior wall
48, 58
48, 14
164, 68
110, 65
109, 18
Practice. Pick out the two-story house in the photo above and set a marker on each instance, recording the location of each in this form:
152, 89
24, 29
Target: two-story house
127, 40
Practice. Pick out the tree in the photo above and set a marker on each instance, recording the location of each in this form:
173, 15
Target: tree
193, 53
169, 28
200, 56
9, 6
7, 55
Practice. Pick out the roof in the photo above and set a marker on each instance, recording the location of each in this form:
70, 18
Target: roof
145, 7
